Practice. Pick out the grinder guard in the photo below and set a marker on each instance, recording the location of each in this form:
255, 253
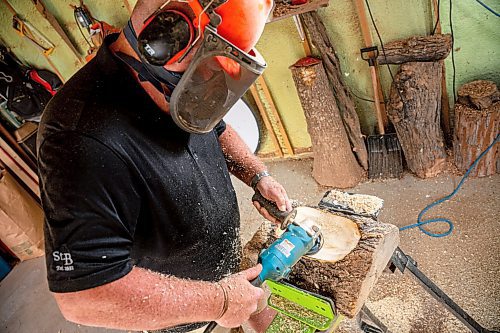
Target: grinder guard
216, 79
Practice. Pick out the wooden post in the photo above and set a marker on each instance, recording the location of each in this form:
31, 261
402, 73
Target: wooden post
265, 119
342, 97
302, 34
286, 145
377, 91
334, 163
417, 117
128, 6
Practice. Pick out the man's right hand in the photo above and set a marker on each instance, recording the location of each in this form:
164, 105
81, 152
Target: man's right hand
243, 298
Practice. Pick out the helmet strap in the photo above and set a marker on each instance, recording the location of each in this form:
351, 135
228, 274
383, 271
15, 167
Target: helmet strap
156, 75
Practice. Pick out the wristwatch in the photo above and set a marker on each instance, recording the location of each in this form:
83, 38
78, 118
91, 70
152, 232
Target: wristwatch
256, 179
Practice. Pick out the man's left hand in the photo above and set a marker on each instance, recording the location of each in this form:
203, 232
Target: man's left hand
275, 192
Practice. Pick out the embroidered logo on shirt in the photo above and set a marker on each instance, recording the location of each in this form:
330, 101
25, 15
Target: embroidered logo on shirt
64, 258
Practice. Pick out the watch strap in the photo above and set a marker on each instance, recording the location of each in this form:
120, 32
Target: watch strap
256, 179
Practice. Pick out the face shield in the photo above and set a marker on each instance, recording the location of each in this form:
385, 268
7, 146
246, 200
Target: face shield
217, 77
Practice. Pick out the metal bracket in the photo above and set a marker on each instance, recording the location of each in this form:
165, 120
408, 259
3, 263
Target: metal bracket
370, 54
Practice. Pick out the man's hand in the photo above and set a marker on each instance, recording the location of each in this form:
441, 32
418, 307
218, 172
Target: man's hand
275, 192
243, 298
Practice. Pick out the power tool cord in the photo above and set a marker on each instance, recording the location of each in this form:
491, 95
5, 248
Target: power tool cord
421, 222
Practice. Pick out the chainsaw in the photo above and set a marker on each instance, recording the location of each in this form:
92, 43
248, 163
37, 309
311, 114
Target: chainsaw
300, 237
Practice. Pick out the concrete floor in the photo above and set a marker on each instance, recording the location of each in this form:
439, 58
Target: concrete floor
464, 265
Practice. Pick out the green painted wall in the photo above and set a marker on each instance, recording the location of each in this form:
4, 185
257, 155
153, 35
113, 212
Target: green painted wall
477, 41
477, 44
113, 12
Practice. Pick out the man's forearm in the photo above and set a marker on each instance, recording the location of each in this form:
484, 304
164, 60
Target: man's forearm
241, 161
143, 300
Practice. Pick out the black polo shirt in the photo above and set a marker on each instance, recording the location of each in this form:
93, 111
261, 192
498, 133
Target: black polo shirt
122, 185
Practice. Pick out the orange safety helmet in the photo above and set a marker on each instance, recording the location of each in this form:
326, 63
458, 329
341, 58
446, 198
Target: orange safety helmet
243, 21
167, 35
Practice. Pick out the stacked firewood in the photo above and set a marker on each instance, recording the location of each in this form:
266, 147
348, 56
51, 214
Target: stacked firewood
477, 124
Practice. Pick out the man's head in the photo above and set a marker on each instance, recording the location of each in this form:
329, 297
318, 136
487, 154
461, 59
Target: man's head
169, 31
210, 42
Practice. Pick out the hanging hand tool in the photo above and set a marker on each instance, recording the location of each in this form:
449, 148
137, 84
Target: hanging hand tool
302, 34
25, 29
33, 35
57, 27
97, 30
302, 237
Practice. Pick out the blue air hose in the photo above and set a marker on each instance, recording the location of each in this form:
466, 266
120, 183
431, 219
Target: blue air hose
421, 222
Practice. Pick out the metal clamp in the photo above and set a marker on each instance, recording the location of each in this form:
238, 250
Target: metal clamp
370, 54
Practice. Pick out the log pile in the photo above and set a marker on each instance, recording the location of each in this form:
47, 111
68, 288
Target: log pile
477, 124
348, 281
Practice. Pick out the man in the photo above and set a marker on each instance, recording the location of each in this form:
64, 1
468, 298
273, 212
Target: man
142, 220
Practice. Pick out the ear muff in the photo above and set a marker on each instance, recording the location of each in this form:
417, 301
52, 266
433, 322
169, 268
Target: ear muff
165, 37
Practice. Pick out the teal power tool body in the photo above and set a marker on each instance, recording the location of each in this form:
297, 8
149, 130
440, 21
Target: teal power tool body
300, 238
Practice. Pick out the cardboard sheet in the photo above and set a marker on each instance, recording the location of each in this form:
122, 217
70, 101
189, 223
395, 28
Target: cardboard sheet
21, 219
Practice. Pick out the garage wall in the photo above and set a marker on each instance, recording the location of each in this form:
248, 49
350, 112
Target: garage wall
476, 33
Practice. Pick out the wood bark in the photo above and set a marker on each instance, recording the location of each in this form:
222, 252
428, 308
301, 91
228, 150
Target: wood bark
347, 282
414, 109
283, 9
334, 163
480, 94
416, 49
320, 39
475, 130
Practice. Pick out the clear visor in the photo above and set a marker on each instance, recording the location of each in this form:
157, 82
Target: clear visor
217, 77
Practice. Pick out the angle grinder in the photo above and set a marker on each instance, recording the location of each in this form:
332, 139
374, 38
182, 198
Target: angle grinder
300, 238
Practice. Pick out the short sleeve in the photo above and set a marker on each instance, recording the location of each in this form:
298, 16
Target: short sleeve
220, 128
91, 206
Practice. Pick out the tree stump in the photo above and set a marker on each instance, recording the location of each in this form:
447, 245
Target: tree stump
478, 94
416, 49
347, 282
416, 118
334, 162
319, 37
475, 130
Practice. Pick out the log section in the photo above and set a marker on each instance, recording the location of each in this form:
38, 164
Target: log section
478, 94
475, 130
416, 49
347, 282
334, 163
417, 117
284, 9
320, 39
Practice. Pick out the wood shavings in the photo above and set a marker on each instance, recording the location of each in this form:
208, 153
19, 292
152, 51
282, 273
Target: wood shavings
359, 204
